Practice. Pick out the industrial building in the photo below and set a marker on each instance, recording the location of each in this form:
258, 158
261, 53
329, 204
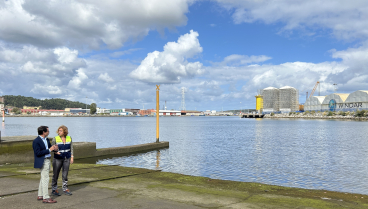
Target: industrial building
80, 111
170, 112
42, 112
333, 99
285, 99
288, 99
314, 103
191, 112
147, 112
357, 100
270, 99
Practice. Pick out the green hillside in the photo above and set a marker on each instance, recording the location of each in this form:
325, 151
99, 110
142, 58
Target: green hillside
53, 104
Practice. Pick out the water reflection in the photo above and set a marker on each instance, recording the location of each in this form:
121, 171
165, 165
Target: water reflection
315, 154
158, 159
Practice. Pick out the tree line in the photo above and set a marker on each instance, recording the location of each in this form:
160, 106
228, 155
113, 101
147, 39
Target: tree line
51, 104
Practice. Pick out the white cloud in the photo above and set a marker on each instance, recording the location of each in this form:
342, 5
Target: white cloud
30, 67
87, 23
346, 19
30, 59
105, 77
122, 53
40, 42
236, 59
355, 77
171, 64
78, 79
66, 55
41, 89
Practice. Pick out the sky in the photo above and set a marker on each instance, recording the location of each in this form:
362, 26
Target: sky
222, 52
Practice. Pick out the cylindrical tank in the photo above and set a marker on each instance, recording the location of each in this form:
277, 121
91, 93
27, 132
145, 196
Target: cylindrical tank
289, 101
270, 99
259, 103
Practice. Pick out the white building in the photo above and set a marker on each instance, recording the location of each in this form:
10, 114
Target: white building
170, 112
332, 100
314, 103
102, 111
357, 100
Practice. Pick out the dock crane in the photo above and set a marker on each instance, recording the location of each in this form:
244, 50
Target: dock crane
314, 89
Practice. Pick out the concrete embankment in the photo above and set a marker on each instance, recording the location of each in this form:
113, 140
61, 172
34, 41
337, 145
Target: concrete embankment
18, 149
102, 186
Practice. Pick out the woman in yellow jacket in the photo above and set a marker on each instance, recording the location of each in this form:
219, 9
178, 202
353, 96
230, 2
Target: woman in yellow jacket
62, 159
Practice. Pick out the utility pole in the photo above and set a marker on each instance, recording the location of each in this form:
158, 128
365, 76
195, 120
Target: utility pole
182, 98
240, 109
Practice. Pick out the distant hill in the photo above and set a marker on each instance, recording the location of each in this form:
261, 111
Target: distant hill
53, 104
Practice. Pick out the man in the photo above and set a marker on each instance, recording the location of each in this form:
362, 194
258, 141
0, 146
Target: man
42, 153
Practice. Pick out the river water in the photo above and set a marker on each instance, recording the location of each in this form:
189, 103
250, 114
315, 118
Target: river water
313, 154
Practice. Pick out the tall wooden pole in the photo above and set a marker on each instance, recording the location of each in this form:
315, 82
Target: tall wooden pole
157, 113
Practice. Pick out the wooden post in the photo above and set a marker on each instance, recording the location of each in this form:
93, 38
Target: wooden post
157, 113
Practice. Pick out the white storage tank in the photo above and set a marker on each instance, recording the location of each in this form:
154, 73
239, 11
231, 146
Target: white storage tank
288, 99
270, 99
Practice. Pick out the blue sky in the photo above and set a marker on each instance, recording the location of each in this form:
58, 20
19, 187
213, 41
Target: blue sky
220, 51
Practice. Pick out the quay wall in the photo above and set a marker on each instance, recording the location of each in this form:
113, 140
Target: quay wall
19, 149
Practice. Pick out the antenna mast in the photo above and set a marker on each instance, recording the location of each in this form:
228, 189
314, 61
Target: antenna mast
182, 98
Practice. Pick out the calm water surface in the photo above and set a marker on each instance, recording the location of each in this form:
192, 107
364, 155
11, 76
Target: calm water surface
313, 154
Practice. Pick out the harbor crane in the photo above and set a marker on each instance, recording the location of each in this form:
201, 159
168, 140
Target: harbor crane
314, 89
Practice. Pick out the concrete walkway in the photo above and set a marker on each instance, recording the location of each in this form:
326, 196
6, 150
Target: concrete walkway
101, 186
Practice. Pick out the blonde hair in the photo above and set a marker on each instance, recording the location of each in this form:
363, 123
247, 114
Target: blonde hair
65, 130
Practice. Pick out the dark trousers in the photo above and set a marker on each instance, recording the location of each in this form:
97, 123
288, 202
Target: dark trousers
57, 164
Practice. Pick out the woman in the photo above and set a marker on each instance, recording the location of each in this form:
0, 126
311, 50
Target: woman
62, 159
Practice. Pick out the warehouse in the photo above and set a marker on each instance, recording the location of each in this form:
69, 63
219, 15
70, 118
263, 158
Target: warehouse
357, 100
170, 112
314, 103
333, 102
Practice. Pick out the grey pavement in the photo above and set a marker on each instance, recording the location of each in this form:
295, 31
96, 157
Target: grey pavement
97, 186
86, 197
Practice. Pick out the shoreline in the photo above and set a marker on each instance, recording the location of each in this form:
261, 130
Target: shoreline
11, 116
144, 188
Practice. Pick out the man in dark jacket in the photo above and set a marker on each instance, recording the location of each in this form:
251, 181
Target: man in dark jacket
42, 153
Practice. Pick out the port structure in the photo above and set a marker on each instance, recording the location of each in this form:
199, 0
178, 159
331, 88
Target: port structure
259, 103
314, 89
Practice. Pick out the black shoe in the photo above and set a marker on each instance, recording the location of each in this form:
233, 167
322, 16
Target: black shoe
55, 192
